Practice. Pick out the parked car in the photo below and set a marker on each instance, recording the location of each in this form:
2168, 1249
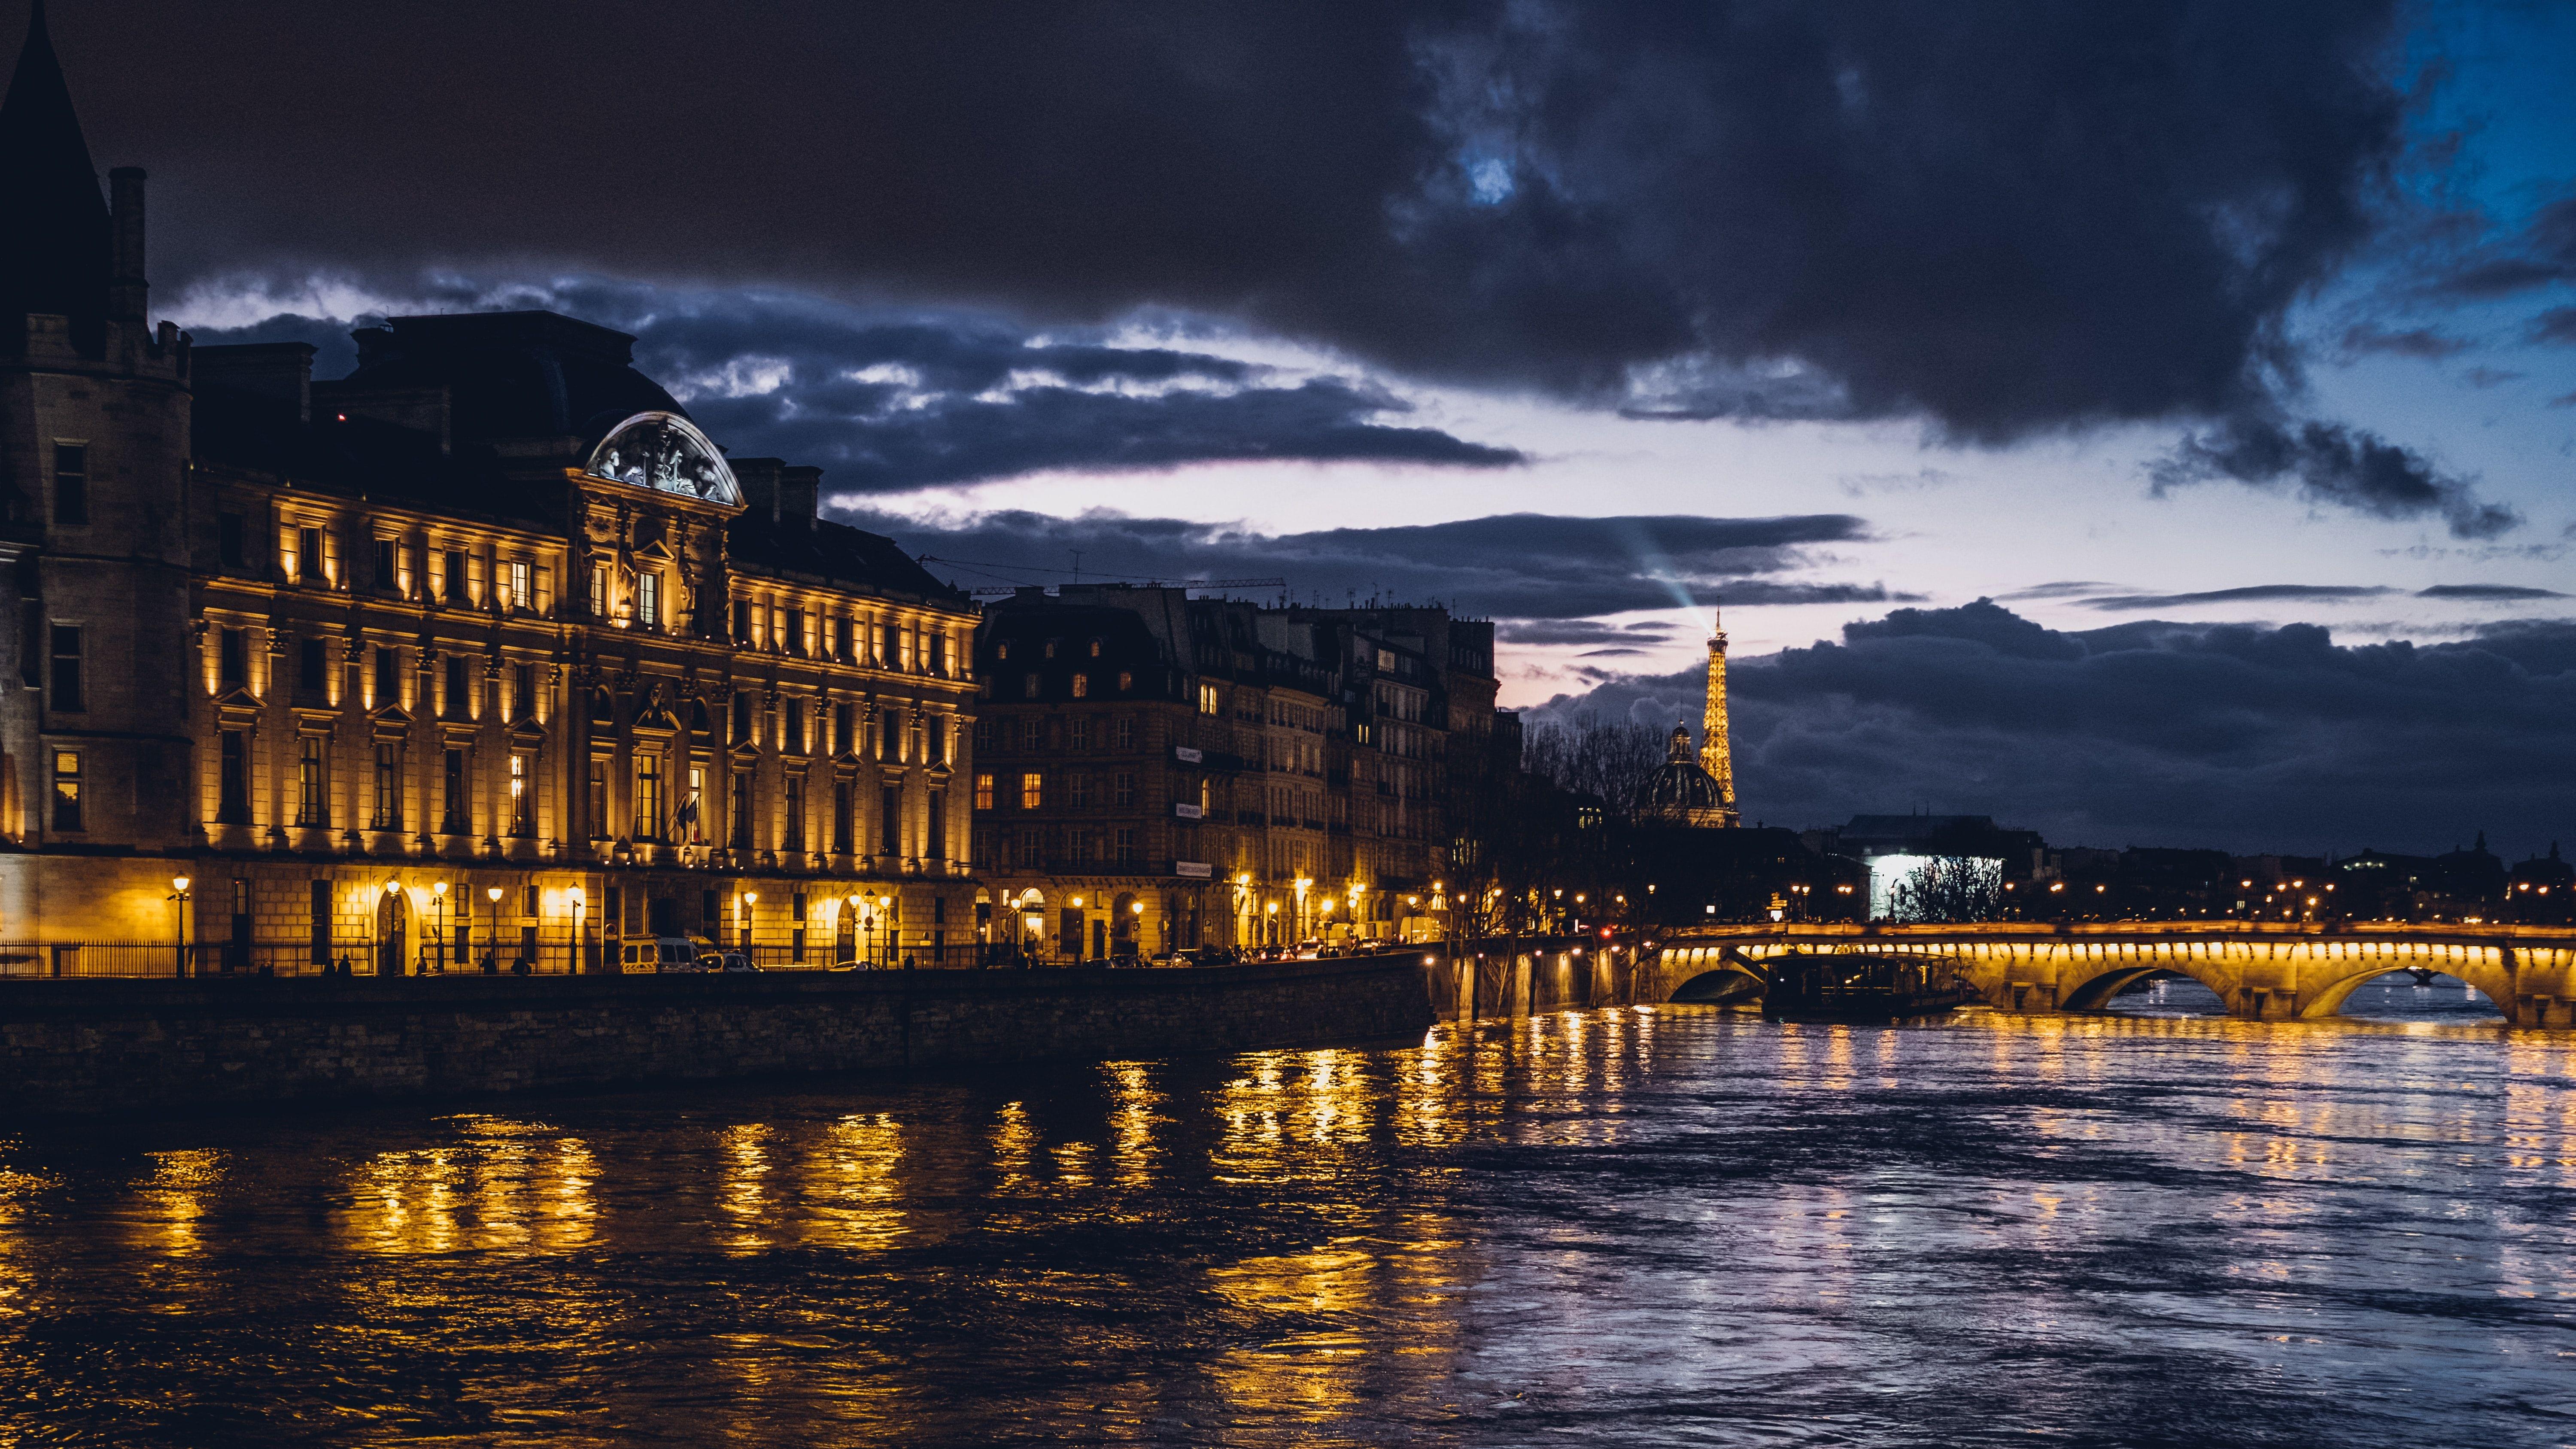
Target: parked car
850, 966
730, 962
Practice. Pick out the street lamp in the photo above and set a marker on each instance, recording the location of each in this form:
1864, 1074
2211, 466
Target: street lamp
492, 949
580, 930
391, 886
179, 908
439, 889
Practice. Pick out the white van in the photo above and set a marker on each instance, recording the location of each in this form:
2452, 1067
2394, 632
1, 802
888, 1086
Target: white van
661, 955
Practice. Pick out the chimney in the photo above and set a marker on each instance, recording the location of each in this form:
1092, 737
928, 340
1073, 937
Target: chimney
800, 495
279, 371
125, 284
758, 480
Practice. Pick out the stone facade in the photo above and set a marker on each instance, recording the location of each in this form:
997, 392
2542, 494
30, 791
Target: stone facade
1158, 772
482, 648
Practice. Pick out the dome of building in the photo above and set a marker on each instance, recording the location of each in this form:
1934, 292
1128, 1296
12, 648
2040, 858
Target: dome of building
1681, 792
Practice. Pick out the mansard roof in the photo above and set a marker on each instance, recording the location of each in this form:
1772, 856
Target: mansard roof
512, 375
53, 221
833, 555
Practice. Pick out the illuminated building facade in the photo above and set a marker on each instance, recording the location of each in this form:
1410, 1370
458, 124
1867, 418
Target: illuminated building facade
483, 647
1157, 772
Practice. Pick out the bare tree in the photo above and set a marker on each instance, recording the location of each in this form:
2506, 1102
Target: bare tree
1950, 890
1592, 756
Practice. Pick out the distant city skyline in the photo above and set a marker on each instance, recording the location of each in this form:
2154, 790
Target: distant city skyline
2275, 331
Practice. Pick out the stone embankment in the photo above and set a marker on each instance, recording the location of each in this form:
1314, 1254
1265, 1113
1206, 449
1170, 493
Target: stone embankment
142, 1046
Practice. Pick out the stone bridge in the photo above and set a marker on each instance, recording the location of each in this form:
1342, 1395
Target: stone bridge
2262, 972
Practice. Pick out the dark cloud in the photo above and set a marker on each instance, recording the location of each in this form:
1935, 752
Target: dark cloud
2483, 377
2420, 342
2542, 253
2329, 463
2252, 593
2007, 220
886, 399
1507, 566
2557, 325
2227, 735
1580, 631
2486, 591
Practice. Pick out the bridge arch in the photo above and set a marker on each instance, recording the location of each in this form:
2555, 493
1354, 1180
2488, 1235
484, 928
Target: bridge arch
2483, 967
1708, 974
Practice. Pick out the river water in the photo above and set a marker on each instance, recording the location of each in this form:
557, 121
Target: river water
1676, 1225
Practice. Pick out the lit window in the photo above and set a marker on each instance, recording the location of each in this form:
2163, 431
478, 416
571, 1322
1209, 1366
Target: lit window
1126, 681
519, 584
984, 791
1082, 686
67, 790
1032, 790
1207, 699
648, 599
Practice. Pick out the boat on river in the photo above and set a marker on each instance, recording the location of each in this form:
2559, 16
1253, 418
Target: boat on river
1861, 988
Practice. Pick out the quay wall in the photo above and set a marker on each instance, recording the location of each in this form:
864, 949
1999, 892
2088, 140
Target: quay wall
149, 1046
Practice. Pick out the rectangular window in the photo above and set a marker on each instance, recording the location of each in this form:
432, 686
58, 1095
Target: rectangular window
1122, 788
648, 599
795, 807
693, 810
890, 820
1032, 790
318, 923
742, 717
523, 691
1082, 686
1207, 699
312, 805
232, 782
67, 790
648, 796
984, 790
599, 591
890, 736
388, 566
934, 843
1124, 849
452, 817
841, 643
520, 593
308, 556
1032, 731
793, 728
983, 734
67, 669
71, 483
842, 809
939, 654
388, 678
1077, 791
598, 799
885, 646
1123, 732
739, 816
742, 622
232, 662
454, 590
796, 631
844, 716
1078, 733
232, 541
388, 811
460, 693
523, 793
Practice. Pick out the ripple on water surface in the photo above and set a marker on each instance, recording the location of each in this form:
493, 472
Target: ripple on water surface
1677, 1225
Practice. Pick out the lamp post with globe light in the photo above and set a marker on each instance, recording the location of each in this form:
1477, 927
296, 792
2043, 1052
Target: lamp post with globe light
492, 938
179, 908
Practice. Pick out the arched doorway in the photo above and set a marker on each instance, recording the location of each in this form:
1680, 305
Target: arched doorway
1123, 916
393, 933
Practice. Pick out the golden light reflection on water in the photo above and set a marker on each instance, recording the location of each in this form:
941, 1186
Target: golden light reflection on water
1344, 1246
